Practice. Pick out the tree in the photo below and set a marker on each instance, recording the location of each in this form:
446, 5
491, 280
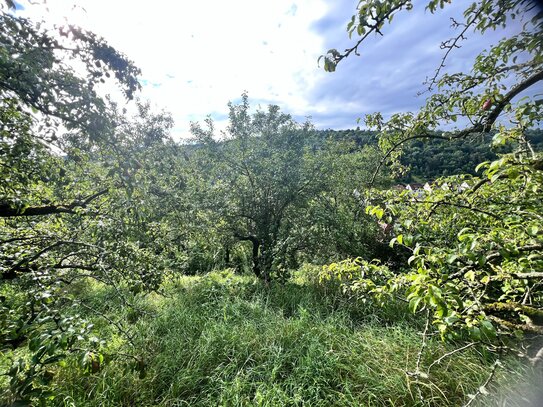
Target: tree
476, 241
69, 165
46, 105
333, 225
258, 175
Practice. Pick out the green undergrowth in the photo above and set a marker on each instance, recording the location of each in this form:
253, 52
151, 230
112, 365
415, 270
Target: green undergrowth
227, 340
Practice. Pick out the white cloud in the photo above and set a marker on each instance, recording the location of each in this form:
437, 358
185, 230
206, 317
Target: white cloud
196, 56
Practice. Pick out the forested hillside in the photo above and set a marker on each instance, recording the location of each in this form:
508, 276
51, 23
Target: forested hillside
263, 261
426, 160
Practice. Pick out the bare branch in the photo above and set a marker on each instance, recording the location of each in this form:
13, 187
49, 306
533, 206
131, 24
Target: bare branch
452, 44
448, 354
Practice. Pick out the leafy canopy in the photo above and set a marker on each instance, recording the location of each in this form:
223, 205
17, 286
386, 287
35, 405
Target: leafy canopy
476, 242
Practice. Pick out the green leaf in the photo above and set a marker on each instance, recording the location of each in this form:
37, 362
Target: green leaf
533, 230
487, 329
392, 241
470, 275
414, 304
475, 333
451, 258
53, 359
481, 165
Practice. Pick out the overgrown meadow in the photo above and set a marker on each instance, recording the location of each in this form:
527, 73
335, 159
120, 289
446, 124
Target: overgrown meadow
270, 263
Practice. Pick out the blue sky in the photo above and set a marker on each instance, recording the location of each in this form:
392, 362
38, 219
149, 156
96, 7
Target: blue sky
197, 56
391, 70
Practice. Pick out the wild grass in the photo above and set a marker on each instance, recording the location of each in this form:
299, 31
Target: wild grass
226, 340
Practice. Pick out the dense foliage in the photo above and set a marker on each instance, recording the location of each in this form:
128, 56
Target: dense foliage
66, 195
281, 187
89, 193
475, 241
427, 160
101, 213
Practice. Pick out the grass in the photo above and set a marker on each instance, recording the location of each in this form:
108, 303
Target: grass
225, 340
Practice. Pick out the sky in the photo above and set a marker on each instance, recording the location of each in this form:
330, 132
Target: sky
197, 56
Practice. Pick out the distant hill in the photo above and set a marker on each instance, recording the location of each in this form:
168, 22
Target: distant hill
432, 158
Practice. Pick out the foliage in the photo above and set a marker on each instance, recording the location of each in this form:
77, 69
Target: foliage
334, 222
477, 247
69, 189
476, 242
272, 183
430, 159
426, 160
99, 211
365, 279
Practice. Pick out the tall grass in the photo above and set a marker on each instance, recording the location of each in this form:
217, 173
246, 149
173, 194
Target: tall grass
225, 340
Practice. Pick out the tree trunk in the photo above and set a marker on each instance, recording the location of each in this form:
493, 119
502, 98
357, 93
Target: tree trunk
256, 257
227, 256
266, 262
256, 253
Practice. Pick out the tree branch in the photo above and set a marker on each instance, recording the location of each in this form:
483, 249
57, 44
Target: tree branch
450, 45
529, 276
448, 354
520, 87
457, 205
476, 128
372, 28
7, 211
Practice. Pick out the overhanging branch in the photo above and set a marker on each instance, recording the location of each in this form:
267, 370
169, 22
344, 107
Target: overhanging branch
480, 127
7, 211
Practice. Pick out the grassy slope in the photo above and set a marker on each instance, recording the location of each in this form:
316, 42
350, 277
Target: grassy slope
227, 340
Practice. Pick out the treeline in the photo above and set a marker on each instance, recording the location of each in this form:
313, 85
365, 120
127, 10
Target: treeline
428, 159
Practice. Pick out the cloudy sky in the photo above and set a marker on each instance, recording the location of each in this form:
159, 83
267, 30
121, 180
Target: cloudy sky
196, 56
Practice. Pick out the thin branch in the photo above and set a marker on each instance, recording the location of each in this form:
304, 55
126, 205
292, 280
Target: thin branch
34, 257
11, 273
417, 372
17, 239
527, 248
457, 205
398, 144
452, 44
492, 257
129, 337
372, 28
446, 355
76, 266
483, 387
529, 276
